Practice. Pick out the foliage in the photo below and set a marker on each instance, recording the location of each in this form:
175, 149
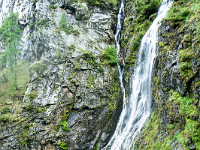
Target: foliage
102, 2
2, 60
24, 137
53, 7
185, 67
145, 12
10, 35
90, 58
187, 108
109, 56
43, 22
177, 13
32, 95
190, 132
145, 7
64, 126
67, 28
5, 117
63, 145
63, 21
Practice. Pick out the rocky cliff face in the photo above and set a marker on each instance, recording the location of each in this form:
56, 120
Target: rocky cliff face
72, 92
174, 122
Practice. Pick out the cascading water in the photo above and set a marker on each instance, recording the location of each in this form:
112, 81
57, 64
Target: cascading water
138, 108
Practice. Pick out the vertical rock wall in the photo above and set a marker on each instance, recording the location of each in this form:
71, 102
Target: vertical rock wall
72, 94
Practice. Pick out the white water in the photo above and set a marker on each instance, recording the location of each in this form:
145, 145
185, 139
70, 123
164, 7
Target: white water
138, 108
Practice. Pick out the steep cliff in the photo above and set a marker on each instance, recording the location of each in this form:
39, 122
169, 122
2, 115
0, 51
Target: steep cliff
174, 122
68, 97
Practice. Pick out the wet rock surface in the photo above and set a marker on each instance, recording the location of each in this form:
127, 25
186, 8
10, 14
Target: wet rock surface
70, 91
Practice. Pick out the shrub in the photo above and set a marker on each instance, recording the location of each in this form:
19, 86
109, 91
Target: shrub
146, 8
185, 55
5, 117
63, 26
53, 7
32, 95
109, 56
187, 108
178, 14
63, 145
64, 126
43, 22
5, 111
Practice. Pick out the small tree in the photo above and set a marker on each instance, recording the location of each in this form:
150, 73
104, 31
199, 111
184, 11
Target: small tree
63, 21
10, 35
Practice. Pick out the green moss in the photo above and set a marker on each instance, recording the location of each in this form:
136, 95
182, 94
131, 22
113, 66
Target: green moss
149, 133
64, 126
177, 13
185, 60
52, 7
187, 107
102, 3
63, 145
72, 76
146, 8
91, 81
190, 133
197, 84
24, 137
41, 109
5, 117
32, 95
90, 58
170, 126
29, 106
185, 55
109, 56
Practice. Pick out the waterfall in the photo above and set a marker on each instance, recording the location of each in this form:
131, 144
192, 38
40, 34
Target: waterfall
138, 107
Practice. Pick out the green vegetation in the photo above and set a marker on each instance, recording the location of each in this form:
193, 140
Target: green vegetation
63, 145
115, 92
32, 95
185, 67
63, 21
9, 96
38, 67
24, 137
178, 14
67, 28
52, 7
146, 8
44, 22
186, 132
90, 58
10, 33
137, 27
64, 126
190, 133
109, 56
102, 3
187, 107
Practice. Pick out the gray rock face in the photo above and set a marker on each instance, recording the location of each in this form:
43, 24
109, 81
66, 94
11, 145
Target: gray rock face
74, 92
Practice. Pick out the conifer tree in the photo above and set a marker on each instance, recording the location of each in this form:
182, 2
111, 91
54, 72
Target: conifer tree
63, 21
10, 36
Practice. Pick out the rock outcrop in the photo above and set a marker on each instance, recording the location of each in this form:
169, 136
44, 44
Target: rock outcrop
72, 94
